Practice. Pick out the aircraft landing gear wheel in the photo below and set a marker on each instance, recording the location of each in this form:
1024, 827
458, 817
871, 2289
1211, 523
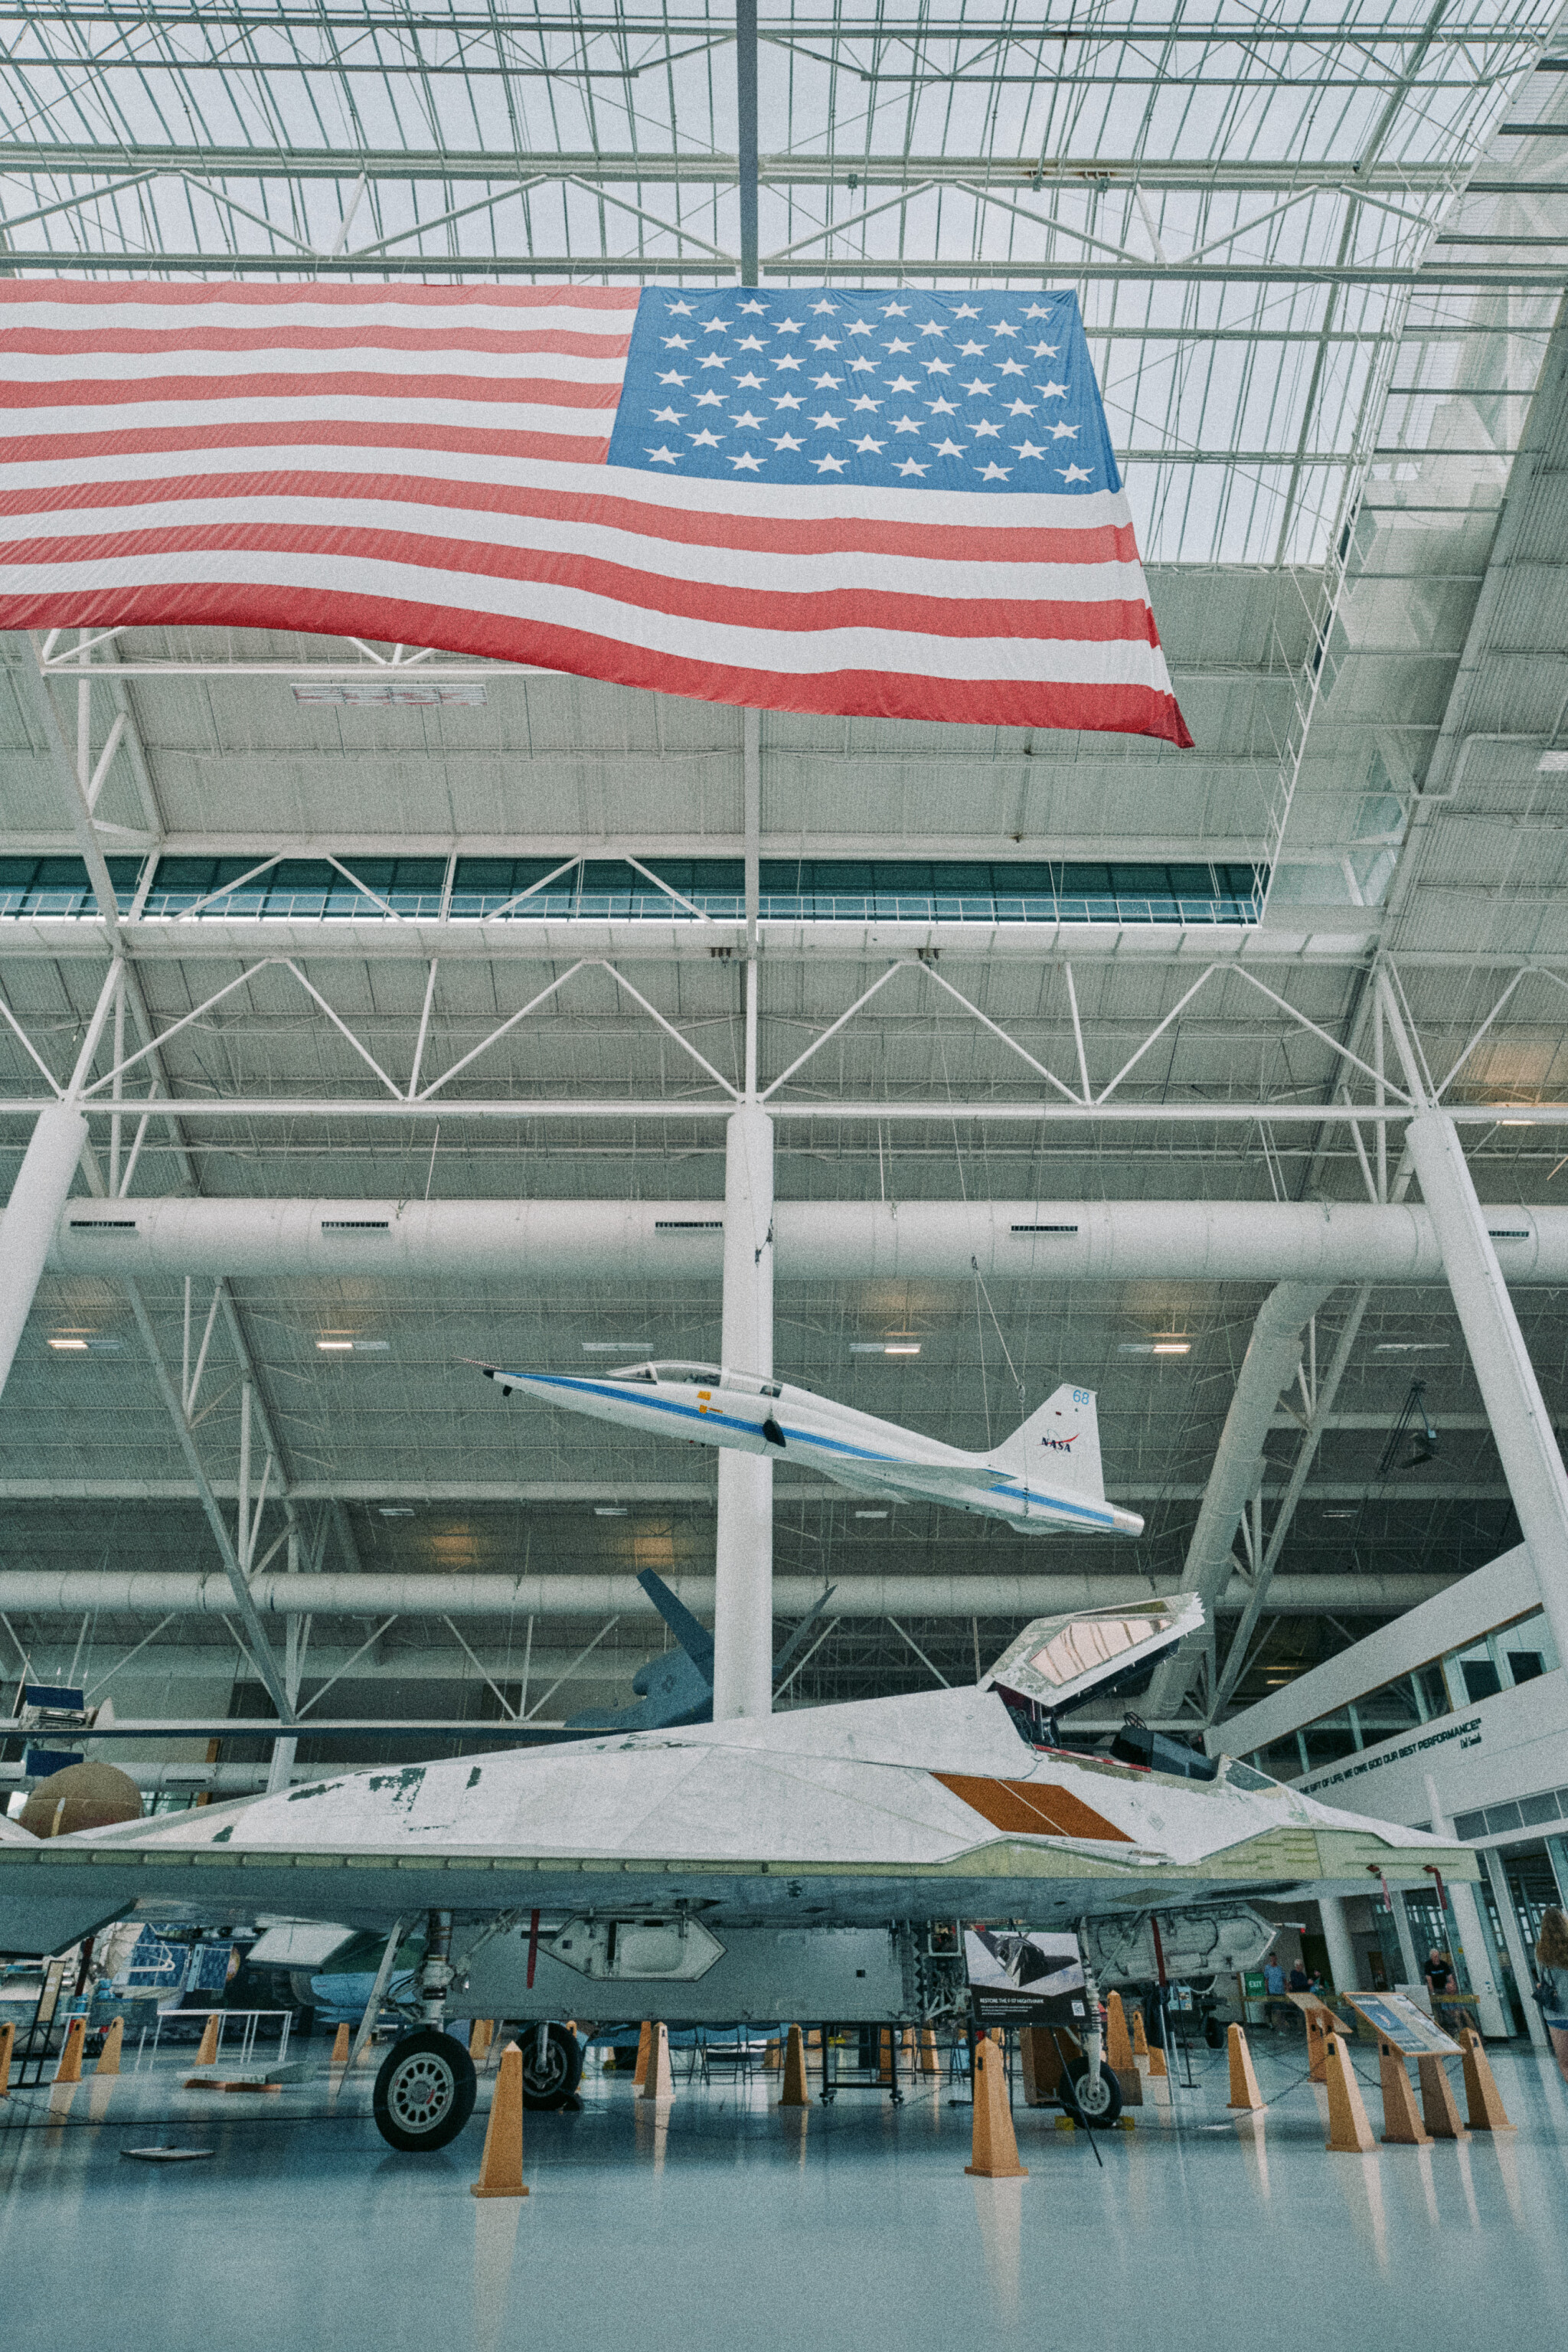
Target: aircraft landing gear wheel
1099, 2111
551, 2066
425, 2091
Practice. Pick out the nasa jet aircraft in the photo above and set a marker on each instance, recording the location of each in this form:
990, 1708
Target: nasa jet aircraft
814, 1865
1045, 1479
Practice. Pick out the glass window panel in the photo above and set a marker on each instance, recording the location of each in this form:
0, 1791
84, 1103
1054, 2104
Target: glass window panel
1432, 1690
1329, 1740
1389, 1709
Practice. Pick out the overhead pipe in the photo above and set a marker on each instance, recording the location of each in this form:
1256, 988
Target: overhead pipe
76, 1591
608, 1243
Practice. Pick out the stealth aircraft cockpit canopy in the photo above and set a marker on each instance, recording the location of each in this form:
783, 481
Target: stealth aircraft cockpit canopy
1056, 1659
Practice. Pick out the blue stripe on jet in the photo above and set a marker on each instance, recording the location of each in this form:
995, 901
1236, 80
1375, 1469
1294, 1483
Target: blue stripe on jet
800, 1437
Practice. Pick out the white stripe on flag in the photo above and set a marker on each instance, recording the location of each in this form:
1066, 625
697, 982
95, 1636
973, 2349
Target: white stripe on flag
661, 560
800, 654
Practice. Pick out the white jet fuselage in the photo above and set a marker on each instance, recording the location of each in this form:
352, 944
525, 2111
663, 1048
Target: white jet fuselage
874, 1457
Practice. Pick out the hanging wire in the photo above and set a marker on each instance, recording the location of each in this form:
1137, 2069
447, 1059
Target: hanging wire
981, 1292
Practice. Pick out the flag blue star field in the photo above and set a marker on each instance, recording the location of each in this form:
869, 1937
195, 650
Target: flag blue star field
885, 503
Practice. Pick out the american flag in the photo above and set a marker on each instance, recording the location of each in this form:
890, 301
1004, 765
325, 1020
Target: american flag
890, 503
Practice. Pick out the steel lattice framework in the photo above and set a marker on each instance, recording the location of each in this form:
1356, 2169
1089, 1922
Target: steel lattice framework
1320, 254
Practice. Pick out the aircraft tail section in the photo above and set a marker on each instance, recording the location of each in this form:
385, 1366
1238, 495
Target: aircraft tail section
1058, 1445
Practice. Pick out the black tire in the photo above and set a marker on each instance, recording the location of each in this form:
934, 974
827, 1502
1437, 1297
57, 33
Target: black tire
425, 2091
1102, 2112
551, 2066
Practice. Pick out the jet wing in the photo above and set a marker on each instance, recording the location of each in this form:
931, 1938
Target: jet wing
935, 1478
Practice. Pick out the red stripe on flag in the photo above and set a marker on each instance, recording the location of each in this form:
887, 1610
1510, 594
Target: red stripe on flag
873, 694
338, 433
81, 392
1074, 620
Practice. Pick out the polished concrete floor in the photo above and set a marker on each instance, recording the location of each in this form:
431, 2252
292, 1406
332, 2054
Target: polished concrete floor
720, 2221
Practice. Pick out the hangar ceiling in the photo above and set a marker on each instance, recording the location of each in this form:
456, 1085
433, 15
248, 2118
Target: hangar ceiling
1321, 261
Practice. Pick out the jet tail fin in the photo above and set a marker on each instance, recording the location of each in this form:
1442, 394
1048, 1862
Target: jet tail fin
1059, 1444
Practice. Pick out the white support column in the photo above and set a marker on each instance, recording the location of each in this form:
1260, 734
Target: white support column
27, 1227
743, 1594
1412, 1961
1521, 1425
280, 1771
1521, 1962
1476, 1945
1337, 1936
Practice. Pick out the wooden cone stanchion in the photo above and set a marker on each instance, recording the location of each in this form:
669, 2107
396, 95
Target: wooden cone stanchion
1439, 2113
108, 2056
645, 2047
795, 2093
1484, 2100
659, 2082
772, 2054
342, 2044
885, 2055
1119, 2054
1245, 2094
1401, 2124
994, 2152
69, 2068
501, 2167
927, 2061
480, 2034
1350, 2133
7, 2043
207, 2055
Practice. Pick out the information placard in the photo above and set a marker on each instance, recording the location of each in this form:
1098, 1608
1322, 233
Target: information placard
1401, 2023
1024, 1979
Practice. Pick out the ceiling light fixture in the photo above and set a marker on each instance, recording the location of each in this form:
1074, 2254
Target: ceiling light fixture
614, 1347
1154, 1348
609, 1510
395, 1510
1173, 1347
1411, 1348
70, 1346
870, 1514
335, 1347
884, 1347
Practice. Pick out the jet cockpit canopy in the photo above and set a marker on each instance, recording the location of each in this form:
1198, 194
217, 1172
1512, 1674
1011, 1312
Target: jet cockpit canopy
699, 1376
